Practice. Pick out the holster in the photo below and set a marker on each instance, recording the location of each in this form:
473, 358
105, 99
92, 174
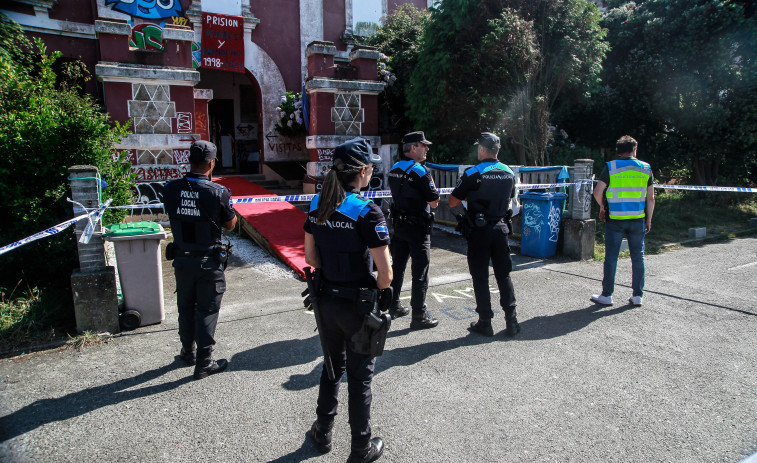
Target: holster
464, 225
371, 337
221, 253
170, 251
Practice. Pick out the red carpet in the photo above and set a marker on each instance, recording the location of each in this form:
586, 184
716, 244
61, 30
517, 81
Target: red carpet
279, 224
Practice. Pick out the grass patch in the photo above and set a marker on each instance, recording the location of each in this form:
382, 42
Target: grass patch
87, 339
678, 210
23, 318
32, 317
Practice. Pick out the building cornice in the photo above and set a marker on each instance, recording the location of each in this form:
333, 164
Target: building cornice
135, 73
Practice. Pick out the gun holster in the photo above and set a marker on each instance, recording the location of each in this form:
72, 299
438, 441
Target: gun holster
371, 337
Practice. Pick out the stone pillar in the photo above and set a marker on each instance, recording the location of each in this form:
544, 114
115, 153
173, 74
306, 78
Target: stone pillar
580, 201
579, 229
93, 284
343, 105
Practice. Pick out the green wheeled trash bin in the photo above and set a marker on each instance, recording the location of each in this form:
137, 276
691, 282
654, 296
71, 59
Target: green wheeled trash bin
541, 223
138, 259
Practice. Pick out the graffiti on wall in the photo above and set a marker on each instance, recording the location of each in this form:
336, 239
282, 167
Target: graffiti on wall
148, 9
146, 37
201, 123
155, 173
325, 155
184, 122
181, 156
196, 55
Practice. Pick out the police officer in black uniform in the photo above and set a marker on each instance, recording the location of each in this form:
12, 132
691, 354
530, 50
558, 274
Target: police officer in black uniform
197, 209
345, 234
488, 188
414, 195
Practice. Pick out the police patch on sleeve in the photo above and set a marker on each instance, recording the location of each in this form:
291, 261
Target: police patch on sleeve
382, 231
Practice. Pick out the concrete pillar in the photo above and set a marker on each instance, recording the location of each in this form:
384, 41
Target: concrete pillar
579, 229
580, 201
93, 284
84, 190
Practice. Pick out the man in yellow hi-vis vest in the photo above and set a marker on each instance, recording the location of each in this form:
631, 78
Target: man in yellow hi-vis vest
625, 194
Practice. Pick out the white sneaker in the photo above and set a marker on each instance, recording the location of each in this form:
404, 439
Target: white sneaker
599, 299
636, 300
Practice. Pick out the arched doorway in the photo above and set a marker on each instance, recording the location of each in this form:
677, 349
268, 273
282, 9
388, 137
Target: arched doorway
234, 120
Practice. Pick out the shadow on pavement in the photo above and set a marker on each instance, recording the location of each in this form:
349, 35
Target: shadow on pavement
306, 451
647, 291
554, 326
79, 403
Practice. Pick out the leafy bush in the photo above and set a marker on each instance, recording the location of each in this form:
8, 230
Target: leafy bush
46, 126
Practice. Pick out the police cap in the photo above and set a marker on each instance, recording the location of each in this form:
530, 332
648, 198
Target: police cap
488, 140
354, 153
202, 151
415, 137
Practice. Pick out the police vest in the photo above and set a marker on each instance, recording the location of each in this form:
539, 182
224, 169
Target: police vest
492, 197
343, 253
406, 198
627, 192
191, 205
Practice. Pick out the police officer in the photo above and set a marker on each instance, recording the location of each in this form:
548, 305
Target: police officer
414, 195
345, 234
197, 209
488, 188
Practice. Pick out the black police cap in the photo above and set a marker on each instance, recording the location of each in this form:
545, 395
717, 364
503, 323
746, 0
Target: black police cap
488, 140
354, 153
415, 137
202, 151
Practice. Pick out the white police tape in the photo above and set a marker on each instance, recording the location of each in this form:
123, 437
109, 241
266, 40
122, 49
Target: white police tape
366, 194
93, 216
707, 188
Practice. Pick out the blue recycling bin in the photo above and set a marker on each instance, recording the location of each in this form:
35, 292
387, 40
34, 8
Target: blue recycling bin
541, 223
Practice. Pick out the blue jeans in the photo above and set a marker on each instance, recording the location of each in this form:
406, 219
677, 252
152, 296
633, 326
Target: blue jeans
634, 230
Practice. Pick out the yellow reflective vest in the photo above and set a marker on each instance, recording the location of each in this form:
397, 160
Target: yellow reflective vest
627, 192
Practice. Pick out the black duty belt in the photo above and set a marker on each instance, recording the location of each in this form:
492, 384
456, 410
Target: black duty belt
340, 291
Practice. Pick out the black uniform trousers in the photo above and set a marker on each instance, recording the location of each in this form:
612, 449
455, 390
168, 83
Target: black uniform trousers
340, 322
411, 241
485, 243
200, 284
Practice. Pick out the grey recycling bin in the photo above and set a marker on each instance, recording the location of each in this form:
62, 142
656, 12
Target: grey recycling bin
138, 259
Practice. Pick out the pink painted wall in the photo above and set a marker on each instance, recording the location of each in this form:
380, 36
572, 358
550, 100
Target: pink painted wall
278, 35
80, 11
333, 22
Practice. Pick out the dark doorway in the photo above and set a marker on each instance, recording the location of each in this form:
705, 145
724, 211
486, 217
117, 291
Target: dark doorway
221, 115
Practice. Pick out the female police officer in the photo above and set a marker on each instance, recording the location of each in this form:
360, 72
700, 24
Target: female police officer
345, 235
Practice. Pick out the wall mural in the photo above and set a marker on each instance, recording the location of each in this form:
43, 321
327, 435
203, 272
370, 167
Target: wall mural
146, 36
148, 9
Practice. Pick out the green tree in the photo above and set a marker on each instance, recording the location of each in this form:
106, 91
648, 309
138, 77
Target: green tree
399, 38
503, 65
681, 78
46, 126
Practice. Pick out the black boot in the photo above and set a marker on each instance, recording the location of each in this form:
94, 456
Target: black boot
207, 367
372, 453
189, 357
321, 435
511, 320
398, 310
482, 326
422, 321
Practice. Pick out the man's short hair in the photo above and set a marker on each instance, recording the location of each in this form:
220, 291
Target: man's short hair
626, 144
407, 146
490, 151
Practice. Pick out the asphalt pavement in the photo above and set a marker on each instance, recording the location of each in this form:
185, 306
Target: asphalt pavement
674, 380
